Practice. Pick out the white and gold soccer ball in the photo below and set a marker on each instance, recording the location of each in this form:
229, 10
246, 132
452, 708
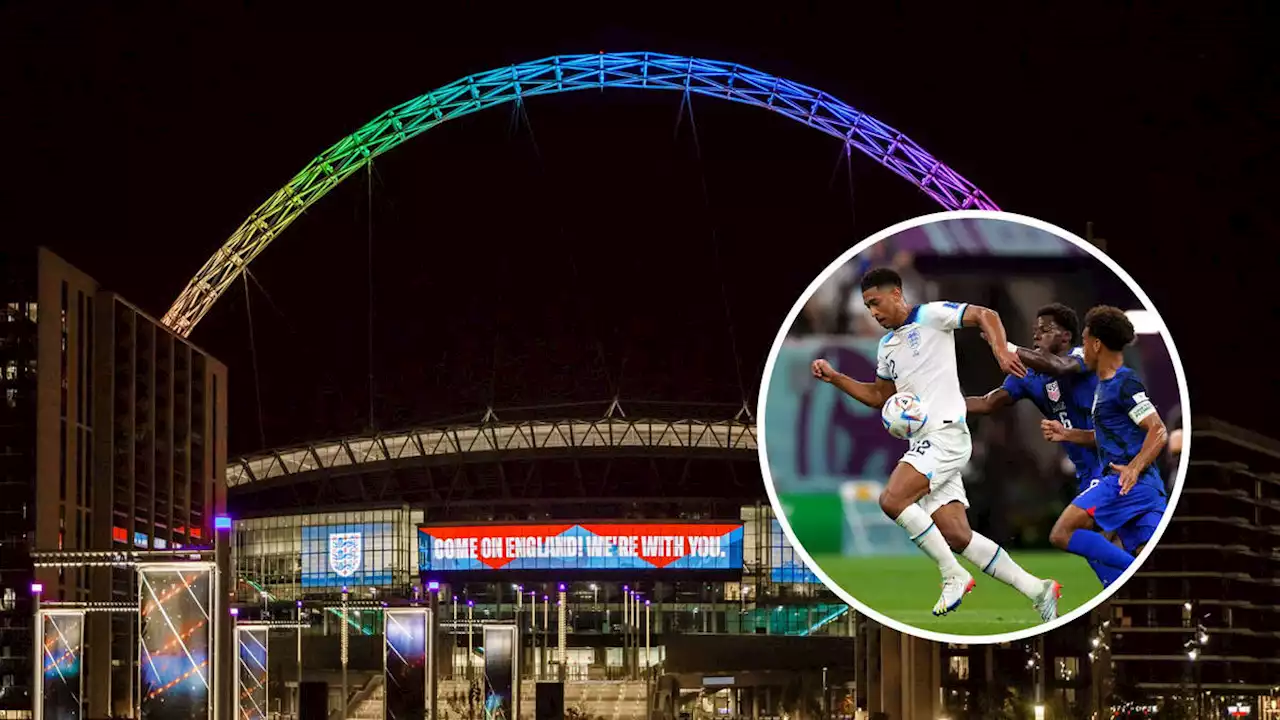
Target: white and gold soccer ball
904, 415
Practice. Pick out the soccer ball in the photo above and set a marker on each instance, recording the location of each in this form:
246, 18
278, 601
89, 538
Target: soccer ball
904, 415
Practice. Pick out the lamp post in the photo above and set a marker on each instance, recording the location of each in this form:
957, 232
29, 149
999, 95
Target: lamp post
297, 694
345, 645
37, 650
471, 638
433, 663
648, 634
561, 614
626, 630
520, 630
546, 636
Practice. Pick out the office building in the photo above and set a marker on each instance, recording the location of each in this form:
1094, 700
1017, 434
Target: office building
1202, 618
114, 437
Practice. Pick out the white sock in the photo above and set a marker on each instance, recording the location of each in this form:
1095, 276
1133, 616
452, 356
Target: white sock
925, 534
994, 561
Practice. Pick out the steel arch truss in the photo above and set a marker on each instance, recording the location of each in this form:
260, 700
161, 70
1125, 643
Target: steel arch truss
454, 445
564, 73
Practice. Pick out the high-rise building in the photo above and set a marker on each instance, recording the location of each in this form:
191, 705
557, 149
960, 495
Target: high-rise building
113, 432
1202, 618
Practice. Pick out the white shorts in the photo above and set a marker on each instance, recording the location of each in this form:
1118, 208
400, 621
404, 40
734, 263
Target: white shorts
941, 456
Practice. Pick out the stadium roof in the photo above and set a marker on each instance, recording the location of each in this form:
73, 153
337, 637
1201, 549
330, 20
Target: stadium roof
479, 441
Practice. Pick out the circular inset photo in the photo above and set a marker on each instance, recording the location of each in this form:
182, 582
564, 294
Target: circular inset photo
988, 400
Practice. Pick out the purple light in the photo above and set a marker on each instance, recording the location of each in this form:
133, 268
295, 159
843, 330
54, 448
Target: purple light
235, 612
344, 589
37, 588
222, 522
455, 598
626, 588
646, 603
544, 598
471, 603
561, 587
433, 586
299, 604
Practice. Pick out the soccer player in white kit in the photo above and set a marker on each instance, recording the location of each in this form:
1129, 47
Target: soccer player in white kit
925, 494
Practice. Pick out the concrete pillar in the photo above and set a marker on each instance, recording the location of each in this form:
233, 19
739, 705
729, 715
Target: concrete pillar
871, 655
891, 675
921, 687
97, 660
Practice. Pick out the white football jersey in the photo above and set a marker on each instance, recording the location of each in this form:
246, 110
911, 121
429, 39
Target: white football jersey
920, 358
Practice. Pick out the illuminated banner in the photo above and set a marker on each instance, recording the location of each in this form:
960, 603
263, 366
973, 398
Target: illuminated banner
407, 653
501, 682
251, 678
350, 554
174, 640
586, 546
63, 687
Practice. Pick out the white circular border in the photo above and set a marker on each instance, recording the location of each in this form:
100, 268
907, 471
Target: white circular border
785, 522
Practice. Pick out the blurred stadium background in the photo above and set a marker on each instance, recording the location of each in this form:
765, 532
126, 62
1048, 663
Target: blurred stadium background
829, 455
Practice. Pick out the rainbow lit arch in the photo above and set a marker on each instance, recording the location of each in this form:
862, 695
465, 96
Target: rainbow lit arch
563, 73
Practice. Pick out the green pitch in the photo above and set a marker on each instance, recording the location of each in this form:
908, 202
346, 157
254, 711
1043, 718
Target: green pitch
906, 587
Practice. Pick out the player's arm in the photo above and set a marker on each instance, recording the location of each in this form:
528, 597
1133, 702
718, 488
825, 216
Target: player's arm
1011, 391
872, 394
1048, 363
1157, 437
1143, 414
989, 403
992, 327
1055, 431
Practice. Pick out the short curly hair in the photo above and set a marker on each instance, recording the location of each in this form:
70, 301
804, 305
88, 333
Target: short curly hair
1110, 325
1064, 316
881, 277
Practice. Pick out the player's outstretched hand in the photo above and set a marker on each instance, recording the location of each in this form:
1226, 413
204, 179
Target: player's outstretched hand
1010, 363
823, 370
1053, 431
1128, 477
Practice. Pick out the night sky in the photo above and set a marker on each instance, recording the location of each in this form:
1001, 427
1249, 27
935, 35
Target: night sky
574, 256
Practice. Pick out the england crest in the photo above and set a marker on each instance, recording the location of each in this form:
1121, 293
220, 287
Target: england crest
913, 340
344, 553
1053, 391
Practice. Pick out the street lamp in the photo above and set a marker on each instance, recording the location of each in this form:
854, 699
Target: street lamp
471, 638
561, 637
346, 640
297, 695
648, 634
1039, 712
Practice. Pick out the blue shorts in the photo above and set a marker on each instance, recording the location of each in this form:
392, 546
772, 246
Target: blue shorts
1134, 517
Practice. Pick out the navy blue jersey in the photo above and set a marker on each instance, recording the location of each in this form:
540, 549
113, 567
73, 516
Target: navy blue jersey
1067, 399
1120, 405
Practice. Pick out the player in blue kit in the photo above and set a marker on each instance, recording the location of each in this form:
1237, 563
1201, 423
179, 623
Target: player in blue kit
1129, 497
1057, 382
1060, 386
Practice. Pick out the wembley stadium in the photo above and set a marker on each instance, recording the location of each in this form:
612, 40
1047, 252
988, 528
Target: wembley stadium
634, 555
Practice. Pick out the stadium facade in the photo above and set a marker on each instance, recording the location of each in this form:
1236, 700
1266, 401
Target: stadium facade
742, 629
114, 435
639, 557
